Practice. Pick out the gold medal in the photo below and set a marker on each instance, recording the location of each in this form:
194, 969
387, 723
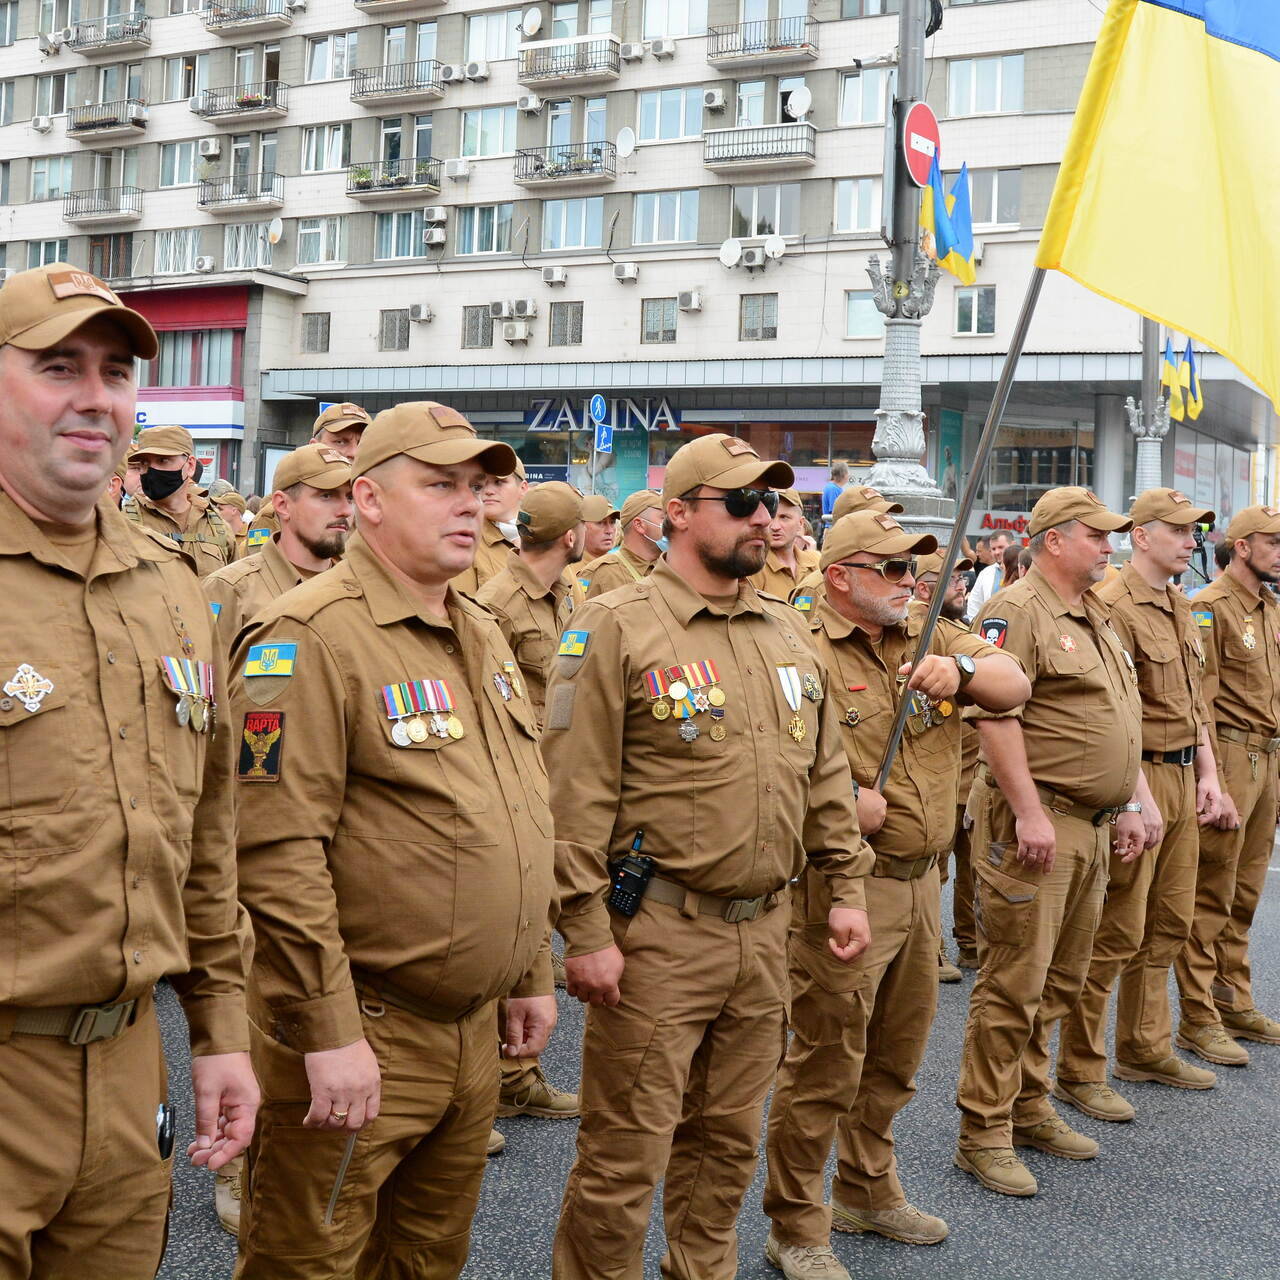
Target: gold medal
399, 734
417, 730
945, 708
716, 732
715, 696
454, 726
661, 710
797, 728
197, 714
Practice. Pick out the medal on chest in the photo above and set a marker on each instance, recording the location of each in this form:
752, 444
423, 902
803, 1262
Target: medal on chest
792, 687
1249, 639
1067, 644
419, 709
693, 688
28, 686
191, 682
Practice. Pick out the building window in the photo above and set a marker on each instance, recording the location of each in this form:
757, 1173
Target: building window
245, 246
658, 320
863, 96
565, 19
315, 332
4, 181
976, 311
186, 76
981, 86
758, 317
331, 57
50, 177
326, 147
566, 324
393, 330
119, 81
42, 252
51, 94
674, 18
493, 36
177, 164
750, 104
666, 115
772, 210
8, 22
996, 196
873, 8
185, 6
857, 204
57, 13
665, 217
322, 240
489, 131
572, 224
176, 250
399, 235
477, 327
483, 228
111, 256
193, 358
6, 101
862, 318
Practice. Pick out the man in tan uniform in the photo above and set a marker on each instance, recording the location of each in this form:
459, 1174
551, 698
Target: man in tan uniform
788, 562
860, 1030
715, 753
340, 427
601, 519
1147, 915
638, 552
169, 505
1239, 625
231, 507
861, 497
396, 859
502, 497
116, 811
1057, 775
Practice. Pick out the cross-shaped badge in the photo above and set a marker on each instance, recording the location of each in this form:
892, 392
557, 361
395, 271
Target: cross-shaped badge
28, 686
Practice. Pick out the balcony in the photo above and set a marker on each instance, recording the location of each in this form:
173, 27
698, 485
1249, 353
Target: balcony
124, 119
758, 44
263, 100
394, 6
242, 193
397, 82
582, 60
102, 204
254, 15
566, 165
118, 33
764, 146
386, 180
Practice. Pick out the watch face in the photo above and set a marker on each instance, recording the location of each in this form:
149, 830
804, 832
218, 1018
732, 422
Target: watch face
966, 664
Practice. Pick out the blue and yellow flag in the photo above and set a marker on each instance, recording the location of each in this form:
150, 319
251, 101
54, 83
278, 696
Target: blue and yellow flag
1170, 376
1194, 393
947, 222
1206, 72
270, 659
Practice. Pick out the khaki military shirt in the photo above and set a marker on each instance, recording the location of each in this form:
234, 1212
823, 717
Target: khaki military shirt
1241, 639
431, 864
732, 814
808, 593
241, 547
1082, 726
776, 579
206, 541
531, 618
237, 592
1164, 640
492, 553
614, 570
117, 830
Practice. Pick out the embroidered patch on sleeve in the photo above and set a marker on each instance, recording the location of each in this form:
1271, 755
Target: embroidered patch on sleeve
1203, 617
270, 660
261, 745
573, 644
994, 631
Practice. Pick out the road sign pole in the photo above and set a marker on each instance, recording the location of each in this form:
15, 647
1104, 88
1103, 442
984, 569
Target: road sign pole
910, 89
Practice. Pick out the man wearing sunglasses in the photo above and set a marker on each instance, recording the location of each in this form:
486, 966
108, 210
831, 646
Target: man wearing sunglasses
633, 561
1062, 784
733, 777
850, 1085
787, 561
858, 497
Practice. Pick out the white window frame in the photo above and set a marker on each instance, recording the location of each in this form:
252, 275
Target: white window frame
576, 218
961, 104
670, 311
567, 317
418, 248
51, 82
177, 249
765, 306
865, 196
483, 325
345, 64
245, 246
184, 163
652, 208
50, 177
483, 118
863, 299
330, 144
674, 18
47, 251
468, 227
8, 22
867, 98
325, 236
972, 293
315, 348
996, 183
6, 101
493, 36
399, 317
690, 112
175, 73
756, 232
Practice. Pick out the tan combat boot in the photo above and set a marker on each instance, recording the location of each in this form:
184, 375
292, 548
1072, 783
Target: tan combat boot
1094, 1099
227, 1187
947, 972
968, 958
1055, 1137
497, 1144
998, 1169
535, 1095
905, 1223
1249, 1024
1171, 1071
1213, 1044
804, 1261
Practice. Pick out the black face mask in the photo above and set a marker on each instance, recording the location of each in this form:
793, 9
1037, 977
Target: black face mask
159, 485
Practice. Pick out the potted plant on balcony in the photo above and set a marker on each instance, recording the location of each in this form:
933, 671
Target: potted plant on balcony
361, 179
387, 178
247, 101
422, 171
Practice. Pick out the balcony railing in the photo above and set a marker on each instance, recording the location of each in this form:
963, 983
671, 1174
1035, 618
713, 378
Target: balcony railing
126, 115
398, 79
377, 178
387, 6
265, 97
121, 30
242, 190
568, 162
581, 58
770, 40
762, 145
102, 204
253, 13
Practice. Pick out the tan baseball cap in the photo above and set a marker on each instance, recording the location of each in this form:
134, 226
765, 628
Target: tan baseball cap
231, 499
792, 496
518, 469
1254, 520
932, 563
548, 510
1059, 506
876, 532
596, 507
313, 464
723, 462
163, 442
40, 307
638, 503
862, 497
1170, 505
338, 417
433, 433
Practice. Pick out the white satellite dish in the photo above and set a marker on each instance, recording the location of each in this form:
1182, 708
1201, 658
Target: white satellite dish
799, 102
275, 230
626, 141
731, 253
775, 247
531, 23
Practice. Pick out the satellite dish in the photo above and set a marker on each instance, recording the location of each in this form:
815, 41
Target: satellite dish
626, 141
775, 247
531, 23
275, 230
799, 102
731, 253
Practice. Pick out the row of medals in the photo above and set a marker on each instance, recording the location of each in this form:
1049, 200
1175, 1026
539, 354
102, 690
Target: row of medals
711, 699
195, 710
415, 729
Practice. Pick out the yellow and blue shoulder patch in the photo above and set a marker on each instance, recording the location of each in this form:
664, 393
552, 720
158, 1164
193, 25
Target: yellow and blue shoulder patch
270, 660
1203, 617
584, 583
573, 644
803, 603
257, 536
215, 608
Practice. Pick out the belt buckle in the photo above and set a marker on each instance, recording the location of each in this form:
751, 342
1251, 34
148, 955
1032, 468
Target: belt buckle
742, 909
100, 1022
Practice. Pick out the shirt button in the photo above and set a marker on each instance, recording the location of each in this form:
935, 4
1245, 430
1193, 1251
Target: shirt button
111, 657
137, 882
133, 802
760, 728
124, 733
6, 704
137, 957
516, 807
768, 786
448, 648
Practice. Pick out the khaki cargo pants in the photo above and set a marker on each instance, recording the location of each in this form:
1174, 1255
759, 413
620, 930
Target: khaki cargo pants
963, 929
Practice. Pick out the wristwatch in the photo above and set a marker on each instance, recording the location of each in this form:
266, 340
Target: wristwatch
968, 668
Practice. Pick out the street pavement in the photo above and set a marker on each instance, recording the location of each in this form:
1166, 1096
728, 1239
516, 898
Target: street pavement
1188, 1191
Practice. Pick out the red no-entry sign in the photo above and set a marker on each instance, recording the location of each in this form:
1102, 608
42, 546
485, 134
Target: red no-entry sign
920, 142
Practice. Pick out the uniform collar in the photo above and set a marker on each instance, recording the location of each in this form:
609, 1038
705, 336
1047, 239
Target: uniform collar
625, 553
686, 603
491, 535
388, 601
527, 581
1142, 591
1089, 606
281, 569
838, 627
119, 546
774, 564
1247, 598
199, 505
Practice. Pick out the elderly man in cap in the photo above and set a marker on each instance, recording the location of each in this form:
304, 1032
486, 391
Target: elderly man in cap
116, 821
169, 505
600, 518
787, 561
1239, 624
230, 505
718, 773
1061, 782
340, 427
858, 497
637, 553
860, 1030
398, 872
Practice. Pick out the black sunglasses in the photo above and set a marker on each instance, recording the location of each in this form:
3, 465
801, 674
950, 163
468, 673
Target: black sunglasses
889, 570
741, 503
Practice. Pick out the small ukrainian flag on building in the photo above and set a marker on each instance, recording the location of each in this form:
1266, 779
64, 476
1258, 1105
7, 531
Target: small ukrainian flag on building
573, 644
270, 660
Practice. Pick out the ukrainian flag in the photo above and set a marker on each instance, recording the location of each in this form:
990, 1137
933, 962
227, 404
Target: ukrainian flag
270, 659
1171, 377
1205, 258
1191, 381
948, 224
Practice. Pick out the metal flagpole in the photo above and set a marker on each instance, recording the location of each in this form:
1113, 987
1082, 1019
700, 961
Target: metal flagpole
985, 444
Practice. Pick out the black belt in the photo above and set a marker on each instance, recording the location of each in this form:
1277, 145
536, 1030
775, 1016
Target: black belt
1185, 756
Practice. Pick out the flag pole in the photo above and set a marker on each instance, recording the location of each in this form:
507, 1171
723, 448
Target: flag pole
986, 442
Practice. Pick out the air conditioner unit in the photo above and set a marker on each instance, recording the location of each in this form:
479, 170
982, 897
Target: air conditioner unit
524, 308
195, 103
626, 272
713, 99
137, 113
458, 170
210, 148
65, 36
500, 311
434, 235
452, 73
752, 258
631, 52
515, 330
435, 213
477, 70
205, 264
41, 124
690, 300
664, 48
530, 103
420, 313
554, 275
49, 42
297, 6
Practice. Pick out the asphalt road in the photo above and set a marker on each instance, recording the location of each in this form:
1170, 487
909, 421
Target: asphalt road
1189, 1191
